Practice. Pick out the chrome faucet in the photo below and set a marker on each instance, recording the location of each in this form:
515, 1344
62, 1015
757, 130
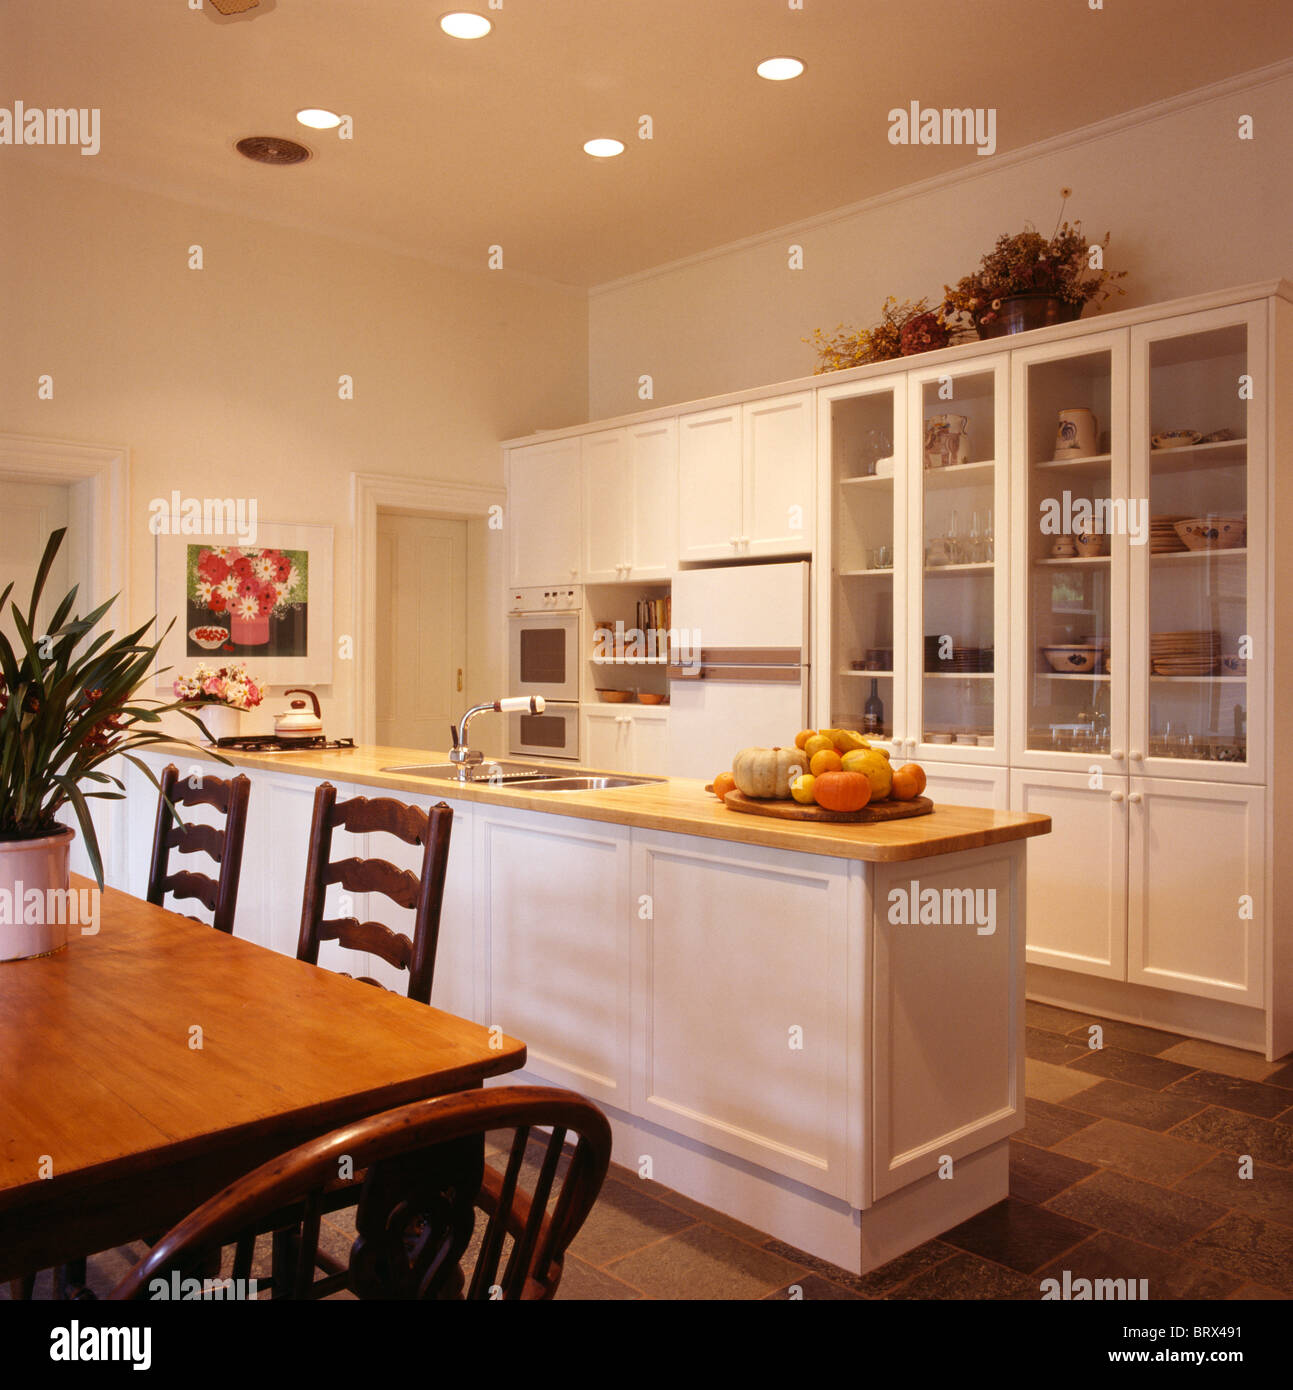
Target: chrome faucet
466, 757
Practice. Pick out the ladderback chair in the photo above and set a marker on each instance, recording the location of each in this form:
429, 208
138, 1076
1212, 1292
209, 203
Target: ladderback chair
423, 1198
229, 797
423, 892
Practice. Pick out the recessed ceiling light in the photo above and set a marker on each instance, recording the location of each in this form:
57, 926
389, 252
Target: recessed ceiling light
318, 119
462, 24
604, 149
779, 69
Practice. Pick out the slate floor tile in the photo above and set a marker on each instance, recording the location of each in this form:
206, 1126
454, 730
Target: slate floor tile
1109, 1256
1050, 1047
1054, 1019
1047, 1124
1046, 1081
1134, 1068
1211, 1056
580, 1281
1268, 1193
1036, 1174
623, 1220
703, 1263
1258, 1292
1139, 1153
1235, 1093
1134, 1037
1140, 1211
967, 1277
1017, 1234
1234, 1133
813, 1288
1115, 1100
1281, 1075
1246, 1245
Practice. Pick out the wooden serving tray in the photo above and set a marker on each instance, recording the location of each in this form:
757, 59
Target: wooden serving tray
792, 810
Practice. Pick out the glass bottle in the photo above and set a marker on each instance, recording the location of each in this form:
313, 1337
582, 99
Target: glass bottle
873, 711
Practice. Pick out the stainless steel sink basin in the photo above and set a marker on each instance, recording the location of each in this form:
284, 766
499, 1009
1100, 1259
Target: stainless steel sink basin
494, 771
582, 784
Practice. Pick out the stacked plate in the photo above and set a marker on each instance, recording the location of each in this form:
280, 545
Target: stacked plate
1163, 539
959, 659
1193, 653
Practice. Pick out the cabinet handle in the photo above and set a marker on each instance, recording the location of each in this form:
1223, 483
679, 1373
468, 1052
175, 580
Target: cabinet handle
1117, 755
1135, 798
745, 542
1137, 756
911, 742
1115, 796
733, 541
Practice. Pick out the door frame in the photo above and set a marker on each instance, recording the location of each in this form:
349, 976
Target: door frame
370, 493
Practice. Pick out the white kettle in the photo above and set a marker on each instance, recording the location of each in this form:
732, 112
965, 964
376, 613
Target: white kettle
301, 723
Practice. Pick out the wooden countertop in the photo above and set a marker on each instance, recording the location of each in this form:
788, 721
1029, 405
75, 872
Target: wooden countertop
678, 805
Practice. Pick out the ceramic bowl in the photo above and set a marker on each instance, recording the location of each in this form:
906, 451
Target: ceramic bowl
1175, 439
615, 697
1213, 532
1091, 543
650, 697
1234, 666
1073, 659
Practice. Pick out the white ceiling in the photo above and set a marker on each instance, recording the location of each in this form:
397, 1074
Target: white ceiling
463, 145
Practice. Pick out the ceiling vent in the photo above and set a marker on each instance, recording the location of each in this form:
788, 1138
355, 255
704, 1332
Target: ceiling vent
272, 149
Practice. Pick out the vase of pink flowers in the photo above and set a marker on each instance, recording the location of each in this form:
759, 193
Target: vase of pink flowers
219, 696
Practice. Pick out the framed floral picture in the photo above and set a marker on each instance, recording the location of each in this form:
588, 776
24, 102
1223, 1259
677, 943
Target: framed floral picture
263, 602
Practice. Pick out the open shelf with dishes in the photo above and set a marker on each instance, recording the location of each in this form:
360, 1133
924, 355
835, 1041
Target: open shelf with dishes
627, 643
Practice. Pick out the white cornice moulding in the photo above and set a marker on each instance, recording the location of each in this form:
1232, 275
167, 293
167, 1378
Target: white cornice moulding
1098, 130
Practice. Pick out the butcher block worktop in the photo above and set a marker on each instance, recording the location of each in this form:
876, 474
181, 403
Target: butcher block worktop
678, 805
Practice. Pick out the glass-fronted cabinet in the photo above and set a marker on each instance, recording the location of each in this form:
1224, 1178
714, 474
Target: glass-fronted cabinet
1197, 610
958, 479
1072, 537
862, 427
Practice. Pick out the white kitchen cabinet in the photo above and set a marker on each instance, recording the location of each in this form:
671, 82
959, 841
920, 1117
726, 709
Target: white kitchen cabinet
746, 480
739, 1025
963, 784
1202, 931
615, 740
552, 944
1077, 875
544, 512
630, 490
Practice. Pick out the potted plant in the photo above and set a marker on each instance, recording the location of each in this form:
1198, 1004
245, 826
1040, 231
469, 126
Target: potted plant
68, 703
217, 695
1029, 281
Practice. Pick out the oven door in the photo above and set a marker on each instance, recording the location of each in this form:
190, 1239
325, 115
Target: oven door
543, 655
552, 734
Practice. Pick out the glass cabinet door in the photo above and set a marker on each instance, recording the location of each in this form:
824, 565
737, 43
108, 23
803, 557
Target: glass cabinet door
1196, 599
1073, 531
860, 421
957, 446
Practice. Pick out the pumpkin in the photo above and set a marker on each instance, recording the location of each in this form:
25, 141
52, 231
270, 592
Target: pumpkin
765, 773
842, 791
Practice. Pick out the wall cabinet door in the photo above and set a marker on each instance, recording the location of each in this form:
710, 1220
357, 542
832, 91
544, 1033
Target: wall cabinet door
650, 753
740, 1000
709, 485
543, 512
652, 549
1197, 870
606, 739
1077, 875
604, 465
779, 456
552, 919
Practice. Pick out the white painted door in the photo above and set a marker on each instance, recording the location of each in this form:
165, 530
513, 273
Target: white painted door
543, 512
653, 510
779, 473
650, 742
604, 461
31, 511
1197, 896
740, 1003
1077, 875
421, 628
605, 742
709, 485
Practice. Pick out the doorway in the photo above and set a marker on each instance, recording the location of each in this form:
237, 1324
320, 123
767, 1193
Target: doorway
31, 511
421, 649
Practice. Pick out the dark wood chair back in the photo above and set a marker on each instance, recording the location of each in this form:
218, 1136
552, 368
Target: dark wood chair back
422, 892
424, 1185
229, 796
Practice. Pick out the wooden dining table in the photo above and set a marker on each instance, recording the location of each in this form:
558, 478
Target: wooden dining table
147, 1066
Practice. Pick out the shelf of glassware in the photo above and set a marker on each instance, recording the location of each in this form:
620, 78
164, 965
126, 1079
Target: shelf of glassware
1201, 609
959, 489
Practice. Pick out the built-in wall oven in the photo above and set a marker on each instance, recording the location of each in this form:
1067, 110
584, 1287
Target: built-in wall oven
543, 659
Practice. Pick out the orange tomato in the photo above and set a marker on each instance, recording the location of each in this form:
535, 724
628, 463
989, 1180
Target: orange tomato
723, 784
842, 791
828, 760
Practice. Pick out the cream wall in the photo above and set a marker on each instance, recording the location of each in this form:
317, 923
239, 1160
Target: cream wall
223, 381
1191, 208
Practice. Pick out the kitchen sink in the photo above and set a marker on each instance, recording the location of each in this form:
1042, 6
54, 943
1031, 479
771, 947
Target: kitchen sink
498, 772
582, 784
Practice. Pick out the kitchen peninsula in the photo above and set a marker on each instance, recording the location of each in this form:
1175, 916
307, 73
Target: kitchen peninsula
817, 1029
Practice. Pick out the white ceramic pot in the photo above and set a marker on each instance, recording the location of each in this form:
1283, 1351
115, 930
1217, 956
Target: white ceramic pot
1076, 435
26, 865
222, 721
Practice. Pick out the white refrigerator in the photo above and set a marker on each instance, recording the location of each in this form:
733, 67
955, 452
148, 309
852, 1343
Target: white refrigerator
738, 672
